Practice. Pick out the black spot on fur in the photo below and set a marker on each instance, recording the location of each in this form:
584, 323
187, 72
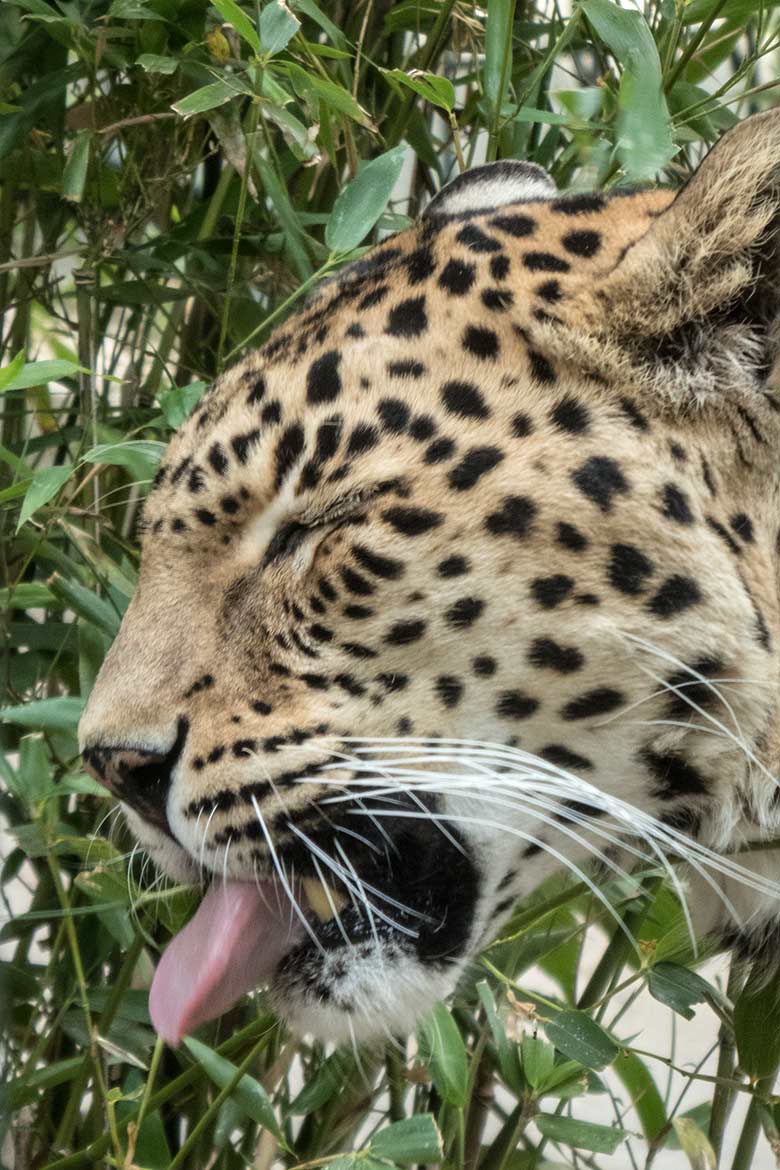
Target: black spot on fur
422, 427
288, 449
458, 277
412, 521
497, 300
476, 240
522, 426
518, 226
582, 243
516, 705
257, 392
628, 569
439, 450
673, 776
743, 526
477, 461
420, 265
563, 757
242, 444
514, 518
403, 633
323, 380
571, 537
551, 591
549, 291
677, 594
499, 267
464, 399
406, 369
541, 369
484, 666
579, 204
687, 692
449, 690
464, 612
380, 566
675, 504
328, 438
362, 439
206, 517
408, 318
454, 566
600, 479
482, 343
545, 262
599, 701
218, 459
634, 414
570, 415
545, 652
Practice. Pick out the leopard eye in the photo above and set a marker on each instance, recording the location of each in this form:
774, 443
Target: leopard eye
285, 541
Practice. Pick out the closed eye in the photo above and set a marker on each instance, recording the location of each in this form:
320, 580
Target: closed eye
285, 541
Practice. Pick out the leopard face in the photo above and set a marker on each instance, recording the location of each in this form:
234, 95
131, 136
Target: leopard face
510, 480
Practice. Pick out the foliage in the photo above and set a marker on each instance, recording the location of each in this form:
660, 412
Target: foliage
174, 176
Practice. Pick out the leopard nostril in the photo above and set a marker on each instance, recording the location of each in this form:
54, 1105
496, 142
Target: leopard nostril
138, 777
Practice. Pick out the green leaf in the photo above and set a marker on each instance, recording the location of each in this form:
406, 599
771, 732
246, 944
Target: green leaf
74, 175
33, 775
757, 1025
498, 50
43, 487
677, 987
538, 1060
140, 456
208, 97
96, 610
60, 714
277, 26
154, 63
644, 143
36, 373
643, 1091
10, 372
415, 1139
439, 91
442, 1049
580, 1038
179, 402
506, 1050
27, 595
230, 12
362, 201
695, 1144
582, 1135
249, 1094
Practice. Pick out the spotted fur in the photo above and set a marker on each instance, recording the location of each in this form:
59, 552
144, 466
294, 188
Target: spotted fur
510, 478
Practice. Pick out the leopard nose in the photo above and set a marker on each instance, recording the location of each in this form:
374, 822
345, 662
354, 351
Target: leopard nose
138, 777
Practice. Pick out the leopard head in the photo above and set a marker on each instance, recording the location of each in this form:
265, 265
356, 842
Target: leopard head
468, 574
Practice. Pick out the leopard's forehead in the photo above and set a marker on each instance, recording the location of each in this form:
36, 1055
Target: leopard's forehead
418, 338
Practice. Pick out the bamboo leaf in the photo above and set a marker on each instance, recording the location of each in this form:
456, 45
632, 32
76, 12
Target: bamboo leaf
582, 1135
235, 15
43, 487
580, 1038
362, 201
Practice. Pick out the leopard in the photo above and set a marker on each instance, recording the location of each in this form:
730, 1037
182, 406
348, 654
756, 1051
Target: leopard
467, 577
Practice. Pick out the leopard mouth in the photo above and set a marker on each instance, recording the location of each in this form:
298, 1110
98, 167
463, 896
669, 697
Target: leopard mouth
234, 943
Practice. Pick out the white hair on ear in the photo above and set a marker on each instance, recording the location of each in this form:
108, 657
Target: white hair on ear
491, 186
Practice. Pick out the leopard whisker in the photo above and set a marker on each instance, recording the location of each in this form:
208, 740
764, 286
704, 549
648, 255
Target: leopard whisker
283, 877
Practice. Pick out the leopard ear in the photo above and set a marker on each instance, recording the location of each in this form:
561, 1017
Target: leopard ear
482, 189
695, 302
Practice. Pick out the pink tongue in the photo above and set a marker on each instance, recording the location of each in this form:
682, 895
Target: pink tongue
233, 943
